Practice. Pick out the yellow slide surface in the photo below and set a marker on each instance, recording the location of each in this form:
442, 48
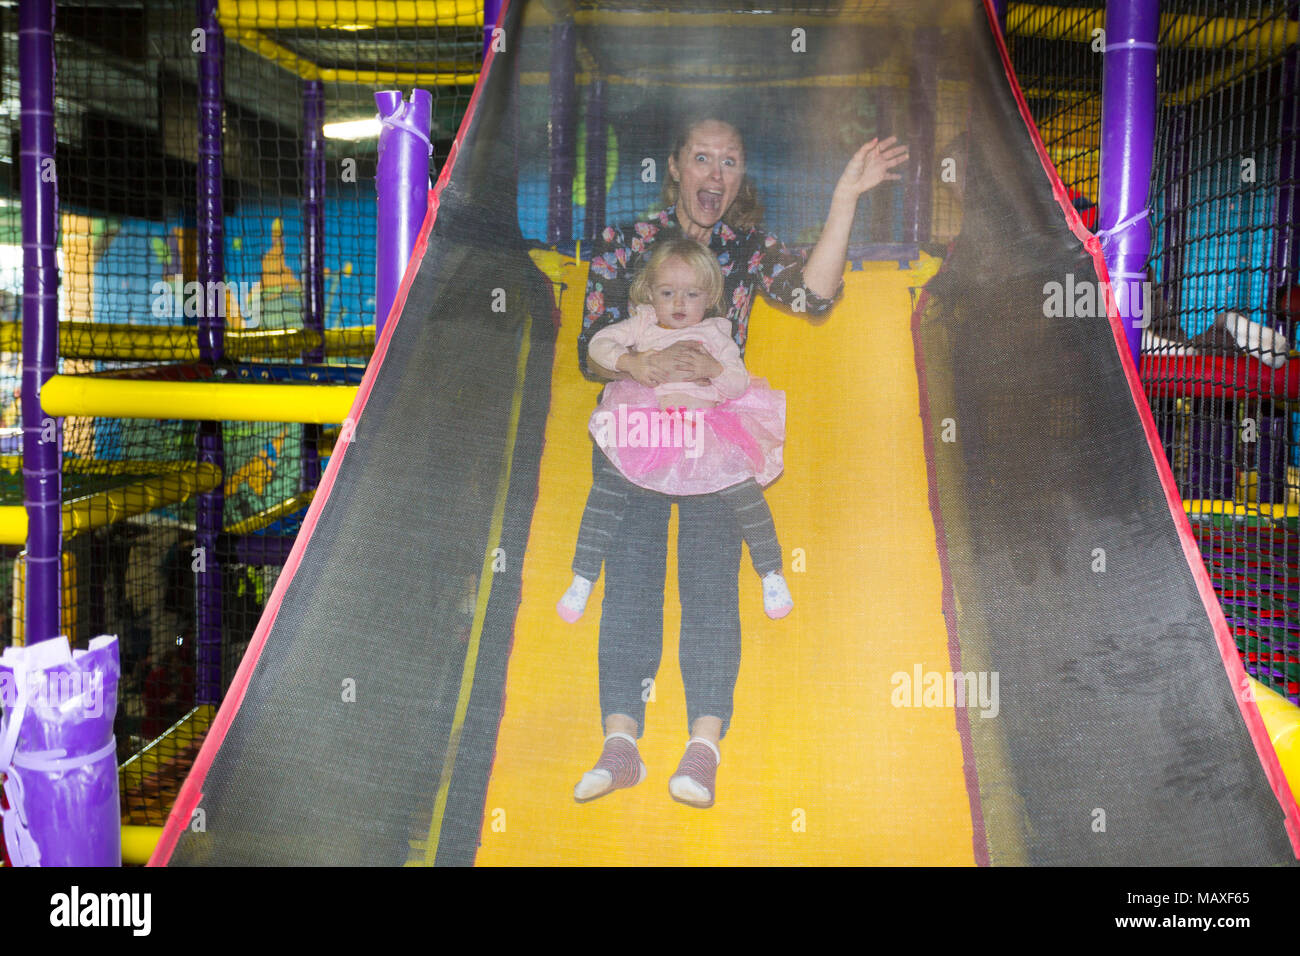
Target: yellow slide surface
819, 766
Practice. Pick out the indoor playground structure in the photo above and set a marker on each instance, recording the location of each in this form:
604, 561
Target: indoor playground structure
296, 450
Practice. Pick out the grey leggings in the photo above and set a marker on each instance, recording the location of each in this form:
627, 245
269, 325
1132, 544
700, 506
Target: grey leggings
607, 501
632, 619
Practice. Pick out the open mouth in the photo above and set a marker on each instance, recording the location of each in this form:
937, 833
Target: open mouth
710, 201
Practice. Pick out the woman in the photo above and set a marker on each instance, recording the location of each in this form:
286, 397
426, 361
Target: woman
709, 199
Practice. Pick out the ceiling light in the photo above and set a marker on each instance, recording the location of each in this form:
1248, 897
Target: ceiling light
353, 129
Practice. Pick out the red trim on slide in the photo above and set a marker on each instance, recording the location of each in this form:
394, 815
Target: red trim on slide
979, 832
1191, 551
192, 790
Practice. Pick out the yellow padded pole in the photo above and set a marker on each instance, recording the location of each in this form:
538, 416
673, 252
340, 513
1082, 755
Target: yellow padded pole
1282, 721
198, 401
180, 483
138, 843
1203, 33
144, 343
345, 14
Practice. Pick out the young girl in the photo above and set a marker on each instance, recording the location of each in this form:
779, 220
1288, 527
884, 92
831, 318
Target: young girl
723, 435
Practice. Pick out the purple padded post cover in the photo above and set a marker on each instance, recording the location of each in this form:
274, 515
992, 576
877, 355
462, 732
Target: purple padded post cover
58, 753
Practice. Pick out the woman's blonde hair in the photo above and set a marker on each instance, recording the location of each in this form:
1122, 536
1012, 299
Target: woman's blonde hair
701, 261
746, 210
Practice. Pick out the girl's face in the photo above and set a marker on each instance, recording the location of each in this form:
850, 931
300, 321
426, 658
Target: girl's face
709, 170
679, 300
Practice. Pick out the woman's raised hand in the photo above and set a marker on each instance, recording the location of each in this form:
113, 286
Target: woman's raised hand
870, 166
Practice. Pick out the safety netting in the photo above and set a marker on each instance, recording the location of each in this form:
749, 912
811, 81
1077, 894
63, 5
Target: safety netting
974, 505
139, 558
1222, 274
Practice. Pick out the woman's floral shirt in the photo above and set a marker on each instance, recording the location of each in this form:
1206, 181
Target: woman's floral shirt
748, 259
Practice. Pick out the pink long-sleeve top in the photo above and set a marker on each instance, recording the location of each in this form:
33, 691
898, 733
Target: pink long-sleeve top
642, 332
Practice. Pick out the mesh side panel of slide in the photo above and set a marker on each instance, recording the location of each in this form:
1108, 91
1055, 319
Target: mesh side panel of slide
1118, 740
335, 756
368, 730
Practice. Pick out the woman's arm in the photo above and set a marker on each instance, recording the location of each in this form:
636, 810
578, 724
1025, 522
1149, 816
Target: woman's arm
616, 348
608, 282
810, 286
869, 167
825, 265
731, 378
679, 362
609, 279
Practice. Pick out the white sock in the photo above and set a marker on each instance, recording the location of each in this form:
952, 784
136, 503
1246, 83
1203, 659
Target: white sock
1154, 343
777, 601
594, 782
1266, 344
687, 788
574, 601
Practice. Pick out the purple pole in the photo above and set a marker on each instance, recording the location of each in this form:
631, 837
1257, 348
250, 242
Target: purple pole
563, 141
596, 148
1286, 208
211, 226
313, 237
210, 506
491, 18
42, 445
402, 182
924, 80
1128, 114
1175, 206
262, 548
313, 213
881, 212
58, 754
1000, 8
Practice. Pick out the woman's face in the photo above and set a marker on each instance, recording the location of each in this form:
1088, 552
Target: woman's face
709, 170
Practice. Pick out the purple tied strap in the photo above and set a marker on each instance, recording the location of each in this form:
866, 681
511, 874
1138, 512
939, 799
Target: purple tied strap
1107, 236
22, 848
401, 120
58, 754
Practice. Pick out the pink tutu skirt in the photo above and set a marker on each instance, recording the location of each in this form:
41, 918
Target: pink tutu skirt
691, 451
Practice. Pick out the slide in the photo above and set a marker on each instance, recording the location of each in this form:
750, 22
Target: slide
1004, 648
816, 708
